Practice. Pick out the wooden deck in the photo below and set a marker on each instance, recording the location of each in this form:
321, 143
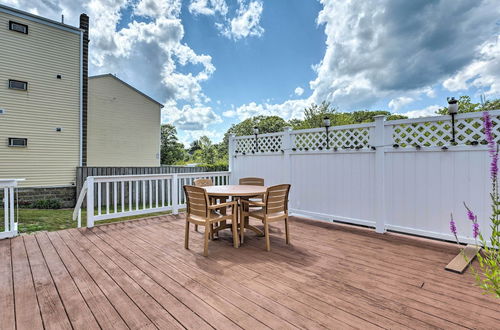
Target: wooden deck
137, 275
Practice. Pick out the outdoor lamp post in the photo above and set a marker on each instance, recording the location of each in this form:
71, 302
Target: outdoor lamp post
452, 110
326, 123
256, 132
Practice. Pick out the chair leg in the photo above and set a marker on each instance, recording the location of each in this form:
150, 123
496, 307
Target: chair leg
234, 228
242, 226
186, 236
207, 236
287, 231
266, 233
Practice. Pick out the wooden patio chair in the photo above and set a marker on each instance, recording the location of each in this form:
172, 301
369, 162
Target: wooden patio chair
275, 208
206, 183
251, 181
200, 212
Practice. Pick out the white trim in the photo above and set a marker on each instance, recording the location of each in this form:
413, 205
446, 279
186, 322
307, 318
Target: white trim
131, 213
431, 234
331, 217
38, 19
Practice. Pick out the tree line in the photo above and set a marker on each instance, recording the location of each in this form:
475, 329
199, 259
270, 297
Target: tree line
204, 152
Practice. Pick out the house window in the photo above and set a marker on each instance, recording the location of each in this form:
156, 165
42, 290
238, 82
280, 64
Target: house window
18, 142
18, 27
19, 85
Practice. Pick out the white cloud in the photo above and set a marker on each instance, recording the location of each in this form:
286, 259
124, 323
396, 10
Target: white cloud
287, 110
425, 112
398, 103
299, 91
208, 7
246, 23
190, 118
381, 48
483, 73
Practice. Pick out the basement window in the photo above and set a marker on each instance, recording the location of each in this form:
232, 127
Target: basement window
18, 142
18, 27
19, 85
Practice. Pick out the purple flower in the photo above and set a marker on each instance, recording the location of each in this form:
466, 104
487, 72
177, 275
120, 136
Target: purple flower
488, 126
475, 229
453, 226
470, 215
488, 132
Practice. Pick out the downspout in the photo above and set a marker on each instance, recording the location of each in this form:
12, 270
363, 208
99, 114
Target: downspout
81, 100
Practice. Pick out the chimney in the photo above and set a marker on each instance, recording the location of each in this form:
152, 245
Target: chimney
84, 25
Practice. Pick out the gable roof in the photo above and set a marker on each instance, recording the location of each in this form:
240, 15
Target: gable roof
128, 85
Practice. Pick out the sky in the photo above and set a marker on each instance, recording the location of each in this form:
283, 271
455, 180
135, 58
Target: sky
214, 63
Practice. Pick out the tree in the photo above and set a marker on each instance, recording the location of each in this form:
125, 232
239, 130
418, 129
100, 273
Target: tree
464, 105
171, 149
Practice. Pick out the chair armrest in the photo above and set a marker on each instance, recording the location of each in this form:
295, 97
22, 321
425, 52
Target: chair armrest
222, 205
254, 203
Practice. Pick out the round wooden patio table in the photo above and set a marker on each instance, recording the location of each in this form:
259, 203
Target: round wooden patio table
237, 192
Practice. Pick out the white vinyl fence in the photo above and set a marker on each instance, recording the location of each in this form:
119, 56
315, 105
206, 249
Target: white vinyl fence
9, 228
402, 175
109, 197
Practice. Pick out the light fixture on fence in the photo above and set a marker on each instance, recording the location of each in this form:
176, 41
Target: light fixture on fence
326, 123
256, 132
452, 110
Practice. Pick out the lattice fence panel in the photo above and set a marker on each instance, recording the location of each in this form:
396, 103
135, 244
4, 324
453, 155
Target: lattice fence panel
271, 143
439, 133
354, 138
245, 146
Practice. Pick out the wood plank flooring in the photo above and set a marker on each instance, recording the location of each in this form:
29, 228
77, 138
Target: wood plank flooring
137, 275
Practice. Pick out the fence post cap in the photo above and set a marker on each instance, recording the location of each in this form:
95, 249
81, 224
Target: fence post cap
379, 117
287, 128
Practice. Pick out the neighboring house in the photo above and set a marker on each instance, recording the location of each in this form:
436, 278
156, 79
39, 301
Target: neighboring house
46, 131
123, 124
41, 98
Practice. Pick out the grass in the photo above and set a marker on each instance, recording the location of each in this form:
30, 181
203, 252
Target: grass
33, 220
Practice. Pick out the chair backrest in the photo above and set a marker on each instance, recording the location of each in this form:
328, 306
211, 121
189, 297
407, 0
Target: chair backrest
252, 181
196, 201
203, 182
277, 198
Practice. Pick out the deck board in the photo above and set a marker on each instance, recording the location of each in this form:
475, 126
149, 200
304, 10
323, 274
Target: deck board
137, 274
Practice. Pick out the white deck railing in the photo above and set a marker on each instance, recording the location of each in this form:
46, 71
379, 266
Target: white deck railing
119, 196
10, 225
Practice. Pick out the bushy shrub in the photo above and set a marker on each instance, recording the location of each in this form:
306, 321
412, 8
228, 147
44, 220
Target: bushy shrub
50, 203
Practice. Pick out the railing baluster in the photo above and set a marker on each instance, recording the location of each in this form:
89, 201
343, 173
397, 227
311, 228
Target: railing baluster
130, 195
123, 195
156, 192
107, 197
115, 197
144, 194
99, 196
162, 193
150, 194
136, 195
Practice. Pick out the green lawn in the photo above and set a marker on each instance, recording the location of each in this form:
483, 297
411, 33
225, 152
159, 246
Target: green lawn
32, 220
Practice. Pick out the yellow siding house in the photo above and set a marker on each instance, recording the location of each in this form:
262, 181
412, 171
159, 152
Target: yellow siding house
123, 124
40, 99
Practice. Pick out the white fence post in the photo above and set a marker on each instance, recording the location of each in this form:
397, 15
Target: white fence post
175, 194
379, 143
231, 157
90, 202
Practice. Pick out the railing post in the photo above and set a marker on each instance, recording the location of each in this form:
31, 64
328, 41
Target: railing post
175, 194
230, 156
379, 142
12, 208
286, 146
90, 202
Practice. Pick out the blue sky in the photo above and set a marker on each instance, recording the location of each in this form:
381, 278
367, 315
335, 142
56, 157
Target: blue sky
216, 62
